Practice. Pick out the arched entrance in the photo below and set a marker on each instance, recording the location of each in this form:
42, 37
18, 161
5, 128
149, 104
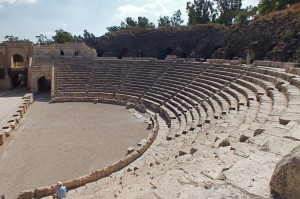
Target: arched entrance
44, 84
17, 71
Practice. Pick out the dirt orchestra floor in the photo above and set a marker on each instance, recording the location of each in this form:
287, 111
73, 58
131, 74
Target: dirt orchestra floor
63, 141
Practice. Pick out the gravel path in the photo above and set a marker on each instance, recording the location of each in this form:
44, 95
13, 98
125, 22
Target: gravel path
63, 141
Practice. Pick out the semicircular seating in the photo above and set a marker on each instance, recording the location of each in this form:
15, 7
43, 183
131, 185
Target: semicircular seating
222, 127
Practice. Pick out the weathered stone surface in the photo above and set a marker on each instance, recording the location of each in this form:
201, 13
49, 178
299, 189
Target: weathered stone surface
286, 177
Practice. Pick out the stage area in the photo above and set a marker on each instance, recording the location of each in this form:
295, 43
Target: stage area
63, 141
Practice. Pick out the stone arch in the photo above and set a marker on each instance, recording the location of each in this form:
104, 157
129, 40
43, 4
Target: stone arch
43, 84
17, 61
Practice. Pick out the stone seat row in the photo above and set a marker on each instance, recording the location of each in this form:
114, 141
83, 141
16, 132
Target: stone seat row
236, 118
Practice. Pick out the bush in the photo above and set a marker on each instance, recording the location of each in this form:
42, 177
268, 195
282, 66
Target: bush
288, 35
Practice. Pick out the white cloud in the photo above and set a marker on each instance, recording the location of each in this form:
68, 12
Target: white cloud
27, 1
11, 2
154, 9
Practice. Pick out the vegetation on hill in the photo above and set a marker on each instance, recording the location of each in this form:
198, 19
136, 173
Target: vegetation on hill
275, 36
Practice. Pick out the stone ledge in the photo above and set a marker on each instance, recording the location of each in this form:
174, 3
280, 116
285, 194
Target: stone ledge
14, 121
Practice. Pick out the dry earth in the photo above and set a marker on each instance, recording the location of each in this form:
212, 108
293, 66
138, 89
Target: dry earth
65, 140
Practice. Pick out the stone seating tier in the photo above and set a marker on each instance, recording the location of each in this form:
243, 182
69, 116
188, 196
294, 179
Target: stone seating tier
233, 119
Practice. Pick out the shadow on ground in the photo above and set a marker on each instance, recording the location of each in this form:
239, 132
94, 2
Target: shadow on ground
42, 97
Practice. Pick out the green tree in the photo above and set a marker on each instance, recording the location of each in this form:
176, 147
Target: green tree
201, 12
62, 36
11, 38
113, 28
131, 24
43, 40
176, 19
228, 9
87, 35
244, 14
164, 21
143, 23
78, 38
267, 6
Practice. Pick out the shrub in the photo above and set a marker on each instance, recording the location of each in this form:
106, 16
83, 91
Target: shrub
288, 35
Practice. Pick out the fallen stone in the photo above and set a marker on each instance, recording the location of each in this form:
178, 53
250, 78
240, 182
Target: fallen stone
224, 143
243, 138
208, 185
285, 180
258, 131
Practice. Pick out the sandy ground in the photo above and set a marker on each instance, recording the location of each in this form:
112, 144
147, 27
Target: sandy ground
63, 141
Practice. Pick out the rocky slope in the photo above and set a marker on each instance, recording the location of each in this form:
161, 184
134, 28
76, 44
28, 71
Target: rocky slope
275, 36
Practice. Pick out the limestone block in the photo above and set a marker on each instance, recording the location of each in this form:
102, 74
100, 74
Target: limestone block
17, 118
21, 112
142, 142
26, 194
130, 150
29, 96
44, 191
12, 123
286, 177
7, 130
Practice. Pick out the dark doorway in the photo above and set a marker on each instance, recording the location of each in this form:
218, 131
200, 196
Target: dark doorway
19, 80
168, 51
76, 53
43, 84
124, 52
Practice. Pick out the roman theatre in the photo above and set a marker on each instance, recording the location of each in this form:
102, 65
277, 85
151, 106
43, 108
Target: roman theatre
139, 127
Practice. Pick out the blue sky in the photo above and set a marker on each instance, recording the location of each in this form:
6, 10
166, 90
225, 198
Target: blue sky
27, 18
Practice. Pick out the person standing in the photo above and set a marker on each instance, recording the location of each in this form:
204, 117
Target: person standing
248, 59
61, 191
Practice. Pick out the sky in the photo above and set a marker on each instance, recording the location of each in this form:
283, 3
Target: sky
28, 18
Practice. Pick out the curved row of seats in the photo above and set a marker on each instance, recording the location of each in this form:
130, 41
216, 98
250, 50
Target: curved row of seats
242, 114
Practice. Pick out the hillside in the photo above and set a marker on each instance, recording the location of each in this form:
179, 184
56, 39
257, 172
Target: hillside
275, 36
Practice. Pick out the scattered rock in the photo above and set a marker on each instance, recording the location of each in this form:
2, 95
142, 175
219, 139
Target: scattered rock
285, 180
208, 185
224, 143
157, 162
258, 132
243, 138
